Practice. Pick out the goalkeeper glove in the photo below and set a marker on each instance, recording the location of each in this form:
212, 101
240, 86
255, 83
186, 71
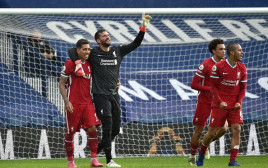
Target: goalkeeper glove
145, 21
78, 68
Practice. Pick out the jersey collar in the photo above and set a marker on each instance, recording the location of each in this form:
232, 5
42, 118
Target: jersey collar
230, 64
214, 59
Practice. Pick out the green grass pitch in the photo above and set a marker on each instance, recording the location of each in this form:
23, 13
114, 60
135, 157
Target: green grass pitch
139, 162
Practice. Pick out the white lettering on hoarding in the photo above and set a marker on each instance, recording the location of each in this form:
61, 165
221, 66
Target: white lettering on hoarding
59, 29
222, 146
253, 141
43, 144
79, 148
8, 151
179, 87
263, 82
257, 24
138, 91
121, 32
195, 24
240, 29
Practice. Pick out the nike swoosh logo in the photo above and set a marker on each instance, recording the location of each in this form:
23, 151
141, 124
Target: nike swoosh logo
224, 73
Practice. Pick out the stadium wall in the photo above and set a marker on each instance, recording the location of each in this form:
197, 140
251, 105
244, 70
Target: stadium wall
46, 143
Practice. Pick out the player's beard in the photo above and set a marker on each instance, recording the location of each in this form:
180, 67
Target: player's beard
106, 43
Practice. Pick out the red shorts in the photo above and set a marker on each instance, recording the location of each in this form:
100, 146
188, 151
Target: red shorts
219, 117
83, 115
202, 113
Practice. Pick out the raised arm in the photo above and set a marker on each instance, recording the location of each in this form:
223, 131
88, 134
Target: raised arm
125, 49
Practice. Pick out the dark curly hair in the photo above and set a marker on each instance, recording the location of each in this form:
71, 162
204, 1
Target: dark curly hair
213, 44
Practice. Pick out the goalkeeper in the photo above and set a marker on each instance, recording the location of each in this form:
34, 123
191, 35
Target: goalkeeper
105, 60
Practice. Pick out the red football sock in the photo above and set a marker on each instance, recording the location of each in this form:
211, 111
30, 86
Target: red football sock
203, 149
233, 155
69, 147
193, 149
93, 143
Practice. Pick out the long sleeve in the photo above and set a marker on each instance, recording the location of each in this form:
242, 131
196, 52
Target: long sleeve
125, 49
196, 84
214, 84
242, 93
72, 54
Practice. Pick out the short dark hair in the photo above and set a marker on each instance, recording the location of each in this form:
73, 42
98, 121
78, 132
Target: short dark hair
81, 42
231, 47
97, 34
213, 44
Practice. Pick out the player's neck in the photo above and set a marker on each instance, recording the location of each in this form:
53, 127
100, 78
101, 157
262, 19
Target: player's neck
232, 61
82, 59
217, 58
105, 49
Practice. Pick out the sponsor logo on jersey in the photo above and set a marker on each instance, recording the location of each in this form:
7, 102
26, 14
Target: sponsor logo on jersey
108, 62
229, 82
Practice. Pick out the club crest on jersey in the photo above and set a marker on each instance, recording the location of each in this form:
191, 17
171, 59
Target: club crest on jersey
114, 54
214, 68
238, 75
201, 67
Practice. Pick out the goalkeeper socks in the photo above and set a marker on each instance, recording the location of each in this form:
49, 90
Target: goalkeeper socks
203, 149
69, 147
93, 143
233, 154
108, 154
193, 149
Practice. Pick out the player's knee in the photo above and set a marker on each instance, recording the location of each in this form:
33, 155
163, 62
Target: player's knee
69, 136
236, 130
212, 134
91, 129
223, 130
198, 134
115, 133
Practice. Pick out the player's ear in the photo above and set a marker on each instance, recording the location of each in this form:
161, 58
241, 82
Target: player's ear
98, 41
214, 51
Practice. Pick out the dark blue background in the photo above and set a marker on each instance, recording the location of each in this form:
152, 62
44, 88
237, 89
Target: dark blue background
131, 3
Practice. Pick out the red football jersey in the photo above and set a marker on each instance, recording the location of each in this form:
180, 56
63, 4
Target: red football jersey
228, 81
204, 72
78, 87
